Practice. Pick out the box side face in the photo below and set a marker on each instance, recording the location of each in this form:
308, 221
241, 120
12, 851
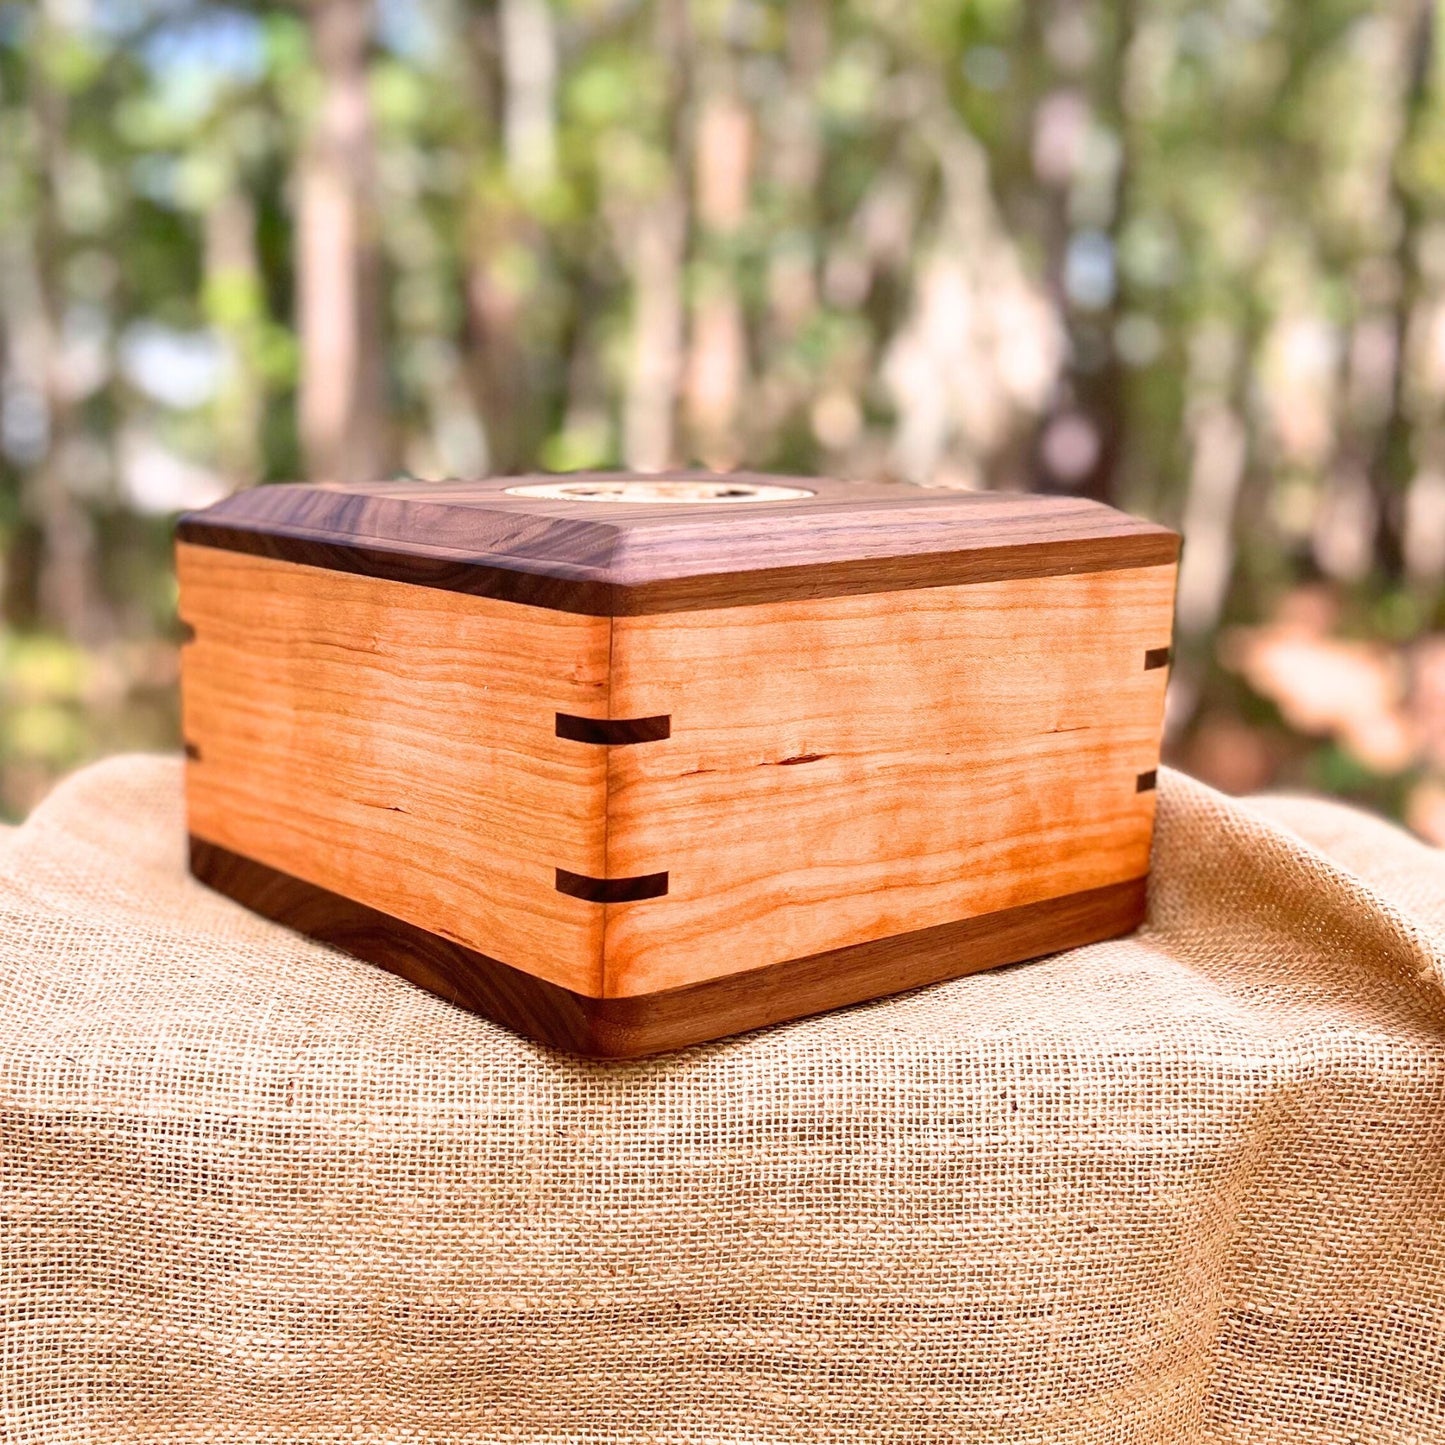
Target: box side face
397, 745
854, 768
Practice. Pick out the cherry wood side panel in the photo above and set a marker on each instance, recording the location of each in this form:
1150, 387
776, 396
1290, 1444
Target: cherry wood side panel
398, 745
625, 1028
846, 770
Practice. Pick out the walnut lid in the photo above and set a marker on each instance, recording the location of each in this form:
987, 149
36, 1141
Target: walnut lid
621, 544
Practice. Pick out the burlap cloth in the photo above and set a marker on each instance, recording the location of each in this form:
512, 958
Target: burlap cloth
1189, 1186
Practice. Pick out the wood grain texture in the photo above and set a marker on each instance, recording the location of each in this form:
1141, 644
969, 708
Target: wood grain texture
612, 559
397, 745
857, 768
633, 1027
629, 805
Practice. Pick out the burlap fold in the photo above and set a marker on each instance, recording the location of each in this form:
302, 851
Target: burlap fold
1188, 1186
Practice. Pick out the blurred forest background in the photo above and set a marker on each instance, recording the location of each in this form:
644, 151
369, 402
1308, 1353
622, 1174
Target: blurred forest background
1187, 256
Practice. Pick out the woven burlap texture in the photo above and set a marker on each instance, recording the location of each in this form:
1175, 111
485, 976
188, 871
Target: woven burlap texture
1187, 1186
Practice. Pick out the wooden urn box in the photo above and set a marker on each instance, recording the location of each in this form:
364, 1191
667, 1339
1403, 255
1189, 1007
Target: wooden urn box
630, 763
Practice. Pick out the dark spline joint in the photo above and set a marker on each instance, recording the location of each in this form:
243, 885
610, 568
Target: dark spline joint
611, 890
614, 731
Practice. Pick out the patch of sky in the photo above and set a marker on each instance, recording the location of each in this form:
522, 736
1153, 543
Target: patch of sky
194, 55
1089, 270
409, 30
986, 67
179, 369
119, 20
15, 22
219, 41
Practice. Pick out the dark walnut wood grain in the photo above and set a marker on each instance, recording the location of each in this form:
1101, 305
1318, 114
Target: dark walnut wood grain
621, 1028
629, 559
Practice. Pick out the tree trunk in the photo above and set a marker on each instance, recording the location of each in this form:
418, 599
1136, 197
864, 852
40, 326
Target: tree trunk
658, 251
65, 583
1392, 461
717, 355
234, 303
649, 441
338, 261
1080, 445
529, 69
511, 84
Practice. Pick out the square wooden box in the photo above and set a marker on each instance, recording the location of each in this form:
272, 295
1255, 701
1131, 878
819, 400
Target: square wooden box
630, 764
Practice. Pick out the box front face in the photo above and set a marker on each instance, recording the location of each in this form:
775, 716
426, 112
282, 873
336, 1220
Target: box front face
853, 768
626, 800
397, 745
